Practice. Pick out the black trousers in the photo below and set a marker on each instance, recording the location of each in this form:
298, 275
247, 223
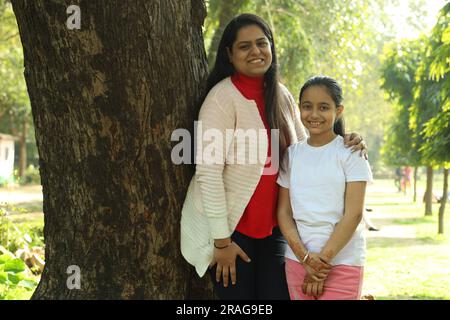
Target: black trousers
264, 277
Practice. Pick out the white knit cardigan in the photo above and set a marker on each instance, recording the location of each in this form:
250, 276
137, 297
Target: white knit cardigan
219, 193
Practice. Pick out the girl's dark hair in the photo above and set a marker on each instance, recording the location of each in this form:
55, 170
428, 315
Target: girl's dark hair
275, 104
334, 90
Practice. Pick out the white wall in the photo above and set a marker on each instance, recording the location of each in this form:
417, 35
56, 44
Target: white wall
6, 158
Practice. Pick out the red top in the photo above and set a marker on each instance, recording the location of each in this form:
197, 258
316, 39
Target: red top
259, 217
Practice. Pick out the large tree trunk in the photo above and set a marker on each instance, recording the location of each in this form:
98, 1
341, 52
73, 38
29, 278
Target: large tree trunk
429, 192
443, 202
105, 100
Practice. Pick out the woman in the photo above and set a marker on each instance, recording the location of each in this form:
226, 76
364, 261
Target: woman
230, 206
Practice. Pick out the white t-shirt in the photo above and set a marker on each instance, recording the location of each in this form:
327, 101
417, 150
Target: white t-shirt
316, 178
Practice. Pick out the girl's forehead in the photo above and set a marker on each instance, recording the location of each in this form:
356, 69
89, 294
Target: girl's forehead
317, 90
317, 94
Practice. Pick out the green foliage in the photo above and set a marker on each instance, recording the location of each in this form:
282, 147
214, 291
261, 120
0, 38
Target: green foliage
427, 100
433, 107
5, 226
31, 176
440, 64
311, 36
397, 149
15, 108
398, 69
27, 235
415, 75
13, 93
342, 39
17, 281
13, 237
13, 275
437, 135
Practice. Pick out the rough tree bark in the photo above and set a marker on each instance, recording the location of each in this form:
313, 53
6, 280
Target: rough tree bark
428, 197
105, 100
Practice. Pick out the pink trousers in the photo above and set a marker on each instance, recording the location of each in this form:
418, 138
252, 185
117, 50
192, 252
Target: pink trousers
343, 282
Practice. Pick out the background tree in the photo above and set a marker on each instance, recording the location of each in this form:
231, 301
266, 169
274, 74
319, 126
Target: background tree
423, 109
104, 109
398, 69
15, 110
426, 104
436, 147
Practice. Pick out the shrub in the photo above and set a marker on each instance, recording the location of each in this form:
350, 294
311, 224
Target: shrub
31, 176
5, 226
13, 275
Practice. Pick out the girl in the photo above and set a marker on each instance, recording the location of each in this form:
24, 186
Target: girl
321, 201
229, 216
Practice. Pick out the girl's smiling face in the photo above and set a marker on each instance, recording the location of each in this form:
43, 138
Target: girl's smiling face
319, 111
251, 54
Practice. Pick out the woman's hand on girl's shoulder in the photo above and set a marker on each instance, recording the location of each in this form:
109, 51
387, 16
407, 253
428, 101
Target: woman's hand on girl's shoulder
357, 143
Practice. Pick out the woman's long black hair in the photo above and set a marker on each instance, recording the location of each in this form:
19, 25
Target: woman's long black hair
334, 90
275, 104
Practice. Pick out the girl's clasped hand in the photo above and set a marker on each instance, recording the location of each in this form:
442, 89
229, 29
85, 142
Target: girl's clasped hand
317, 269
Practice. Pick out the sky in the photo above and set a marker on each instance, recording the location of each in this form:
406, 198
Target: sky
400, 13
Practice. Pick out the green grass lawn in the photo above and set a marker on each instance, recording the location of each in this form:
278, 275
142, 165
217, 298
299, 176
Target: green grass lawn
406, 259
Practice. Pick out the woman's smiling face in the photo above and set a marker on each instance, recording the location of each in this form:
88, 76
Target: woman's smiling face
251, 54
